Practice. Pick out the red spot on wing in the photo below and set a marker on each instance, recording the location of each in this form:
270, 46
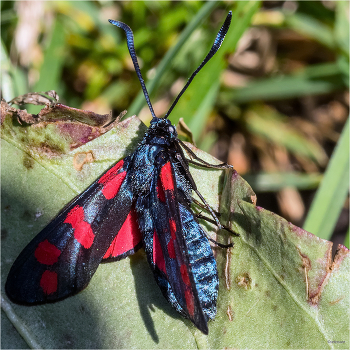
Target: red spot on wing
82, 230
112, 180
111, 188
48, 282
46, 253
184, 275
127, 238
111, 173
160, 192
75, 216
189, 302
84, 235
158, 257
172, 225
166, 177
171, 249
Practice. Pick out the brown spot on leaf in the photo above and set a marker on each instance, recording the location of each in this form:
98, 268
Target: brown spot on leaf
230, 313
340, 254
48, 150
82, 158
244, 280
333, 302
28, 162
253, 199
306, 267
227, 267
313, 294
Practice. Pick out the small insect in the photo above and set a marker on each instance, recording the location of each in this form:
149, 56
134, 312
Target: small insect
142, 200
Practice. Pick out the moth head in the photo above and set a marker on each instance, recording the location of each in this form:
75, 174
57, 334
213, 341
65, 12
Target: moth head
163, 128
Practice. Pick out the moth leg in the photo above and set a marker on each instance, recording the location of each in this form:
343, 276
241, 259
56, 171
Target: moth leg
200, 216
204, 163
195, 201
194, 187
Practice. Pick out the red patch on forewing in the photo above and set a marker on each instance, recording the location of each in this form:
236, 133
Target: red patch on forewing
166, 177
75, 216
48, 282
158, 257
189, 302
184, 275
171, 249
160, 192
111, 173
127, 238
46, 253
84, 235
111, 188
112, 181
82, 230
172, 225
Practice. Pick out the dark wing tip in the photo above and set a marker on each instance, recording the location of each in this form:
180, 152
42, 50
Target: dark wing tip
203, 327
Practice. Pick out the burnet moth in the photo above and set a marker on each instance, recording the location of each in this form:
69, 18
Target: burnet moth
142, 200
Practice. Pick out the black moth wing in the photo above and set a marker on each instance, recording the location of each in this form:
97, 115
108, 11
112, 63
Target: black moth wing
63, 257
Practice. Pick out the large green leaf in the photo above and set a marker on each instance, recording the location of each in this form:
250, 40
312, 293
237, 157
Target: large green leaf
278, 286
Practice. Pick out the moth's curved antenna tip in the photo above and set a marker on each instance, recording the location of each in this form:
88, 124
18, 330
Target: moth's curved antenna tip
228, 17
130, 42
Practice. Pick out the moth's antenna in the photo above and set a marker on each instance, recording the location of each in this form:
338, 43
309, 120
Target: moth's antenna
217, 43
130, 43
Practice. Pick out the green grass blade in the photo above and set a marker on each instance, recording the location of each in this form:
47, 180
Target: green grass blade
198, 91
330, 196
317, 79
196, 124
267, 182
13, 79
54, 55
311, 27
347, 240
139, 101
269, 124
341, 30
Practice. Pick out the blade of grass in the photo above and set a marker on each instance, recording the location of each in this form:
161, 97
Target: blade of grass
330, 196
196, 124
341, 36
341, 29
318, 79
50, 71
268, 182
267, 123
139, 101
347, 240
13, 79
311, 27
210, 75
